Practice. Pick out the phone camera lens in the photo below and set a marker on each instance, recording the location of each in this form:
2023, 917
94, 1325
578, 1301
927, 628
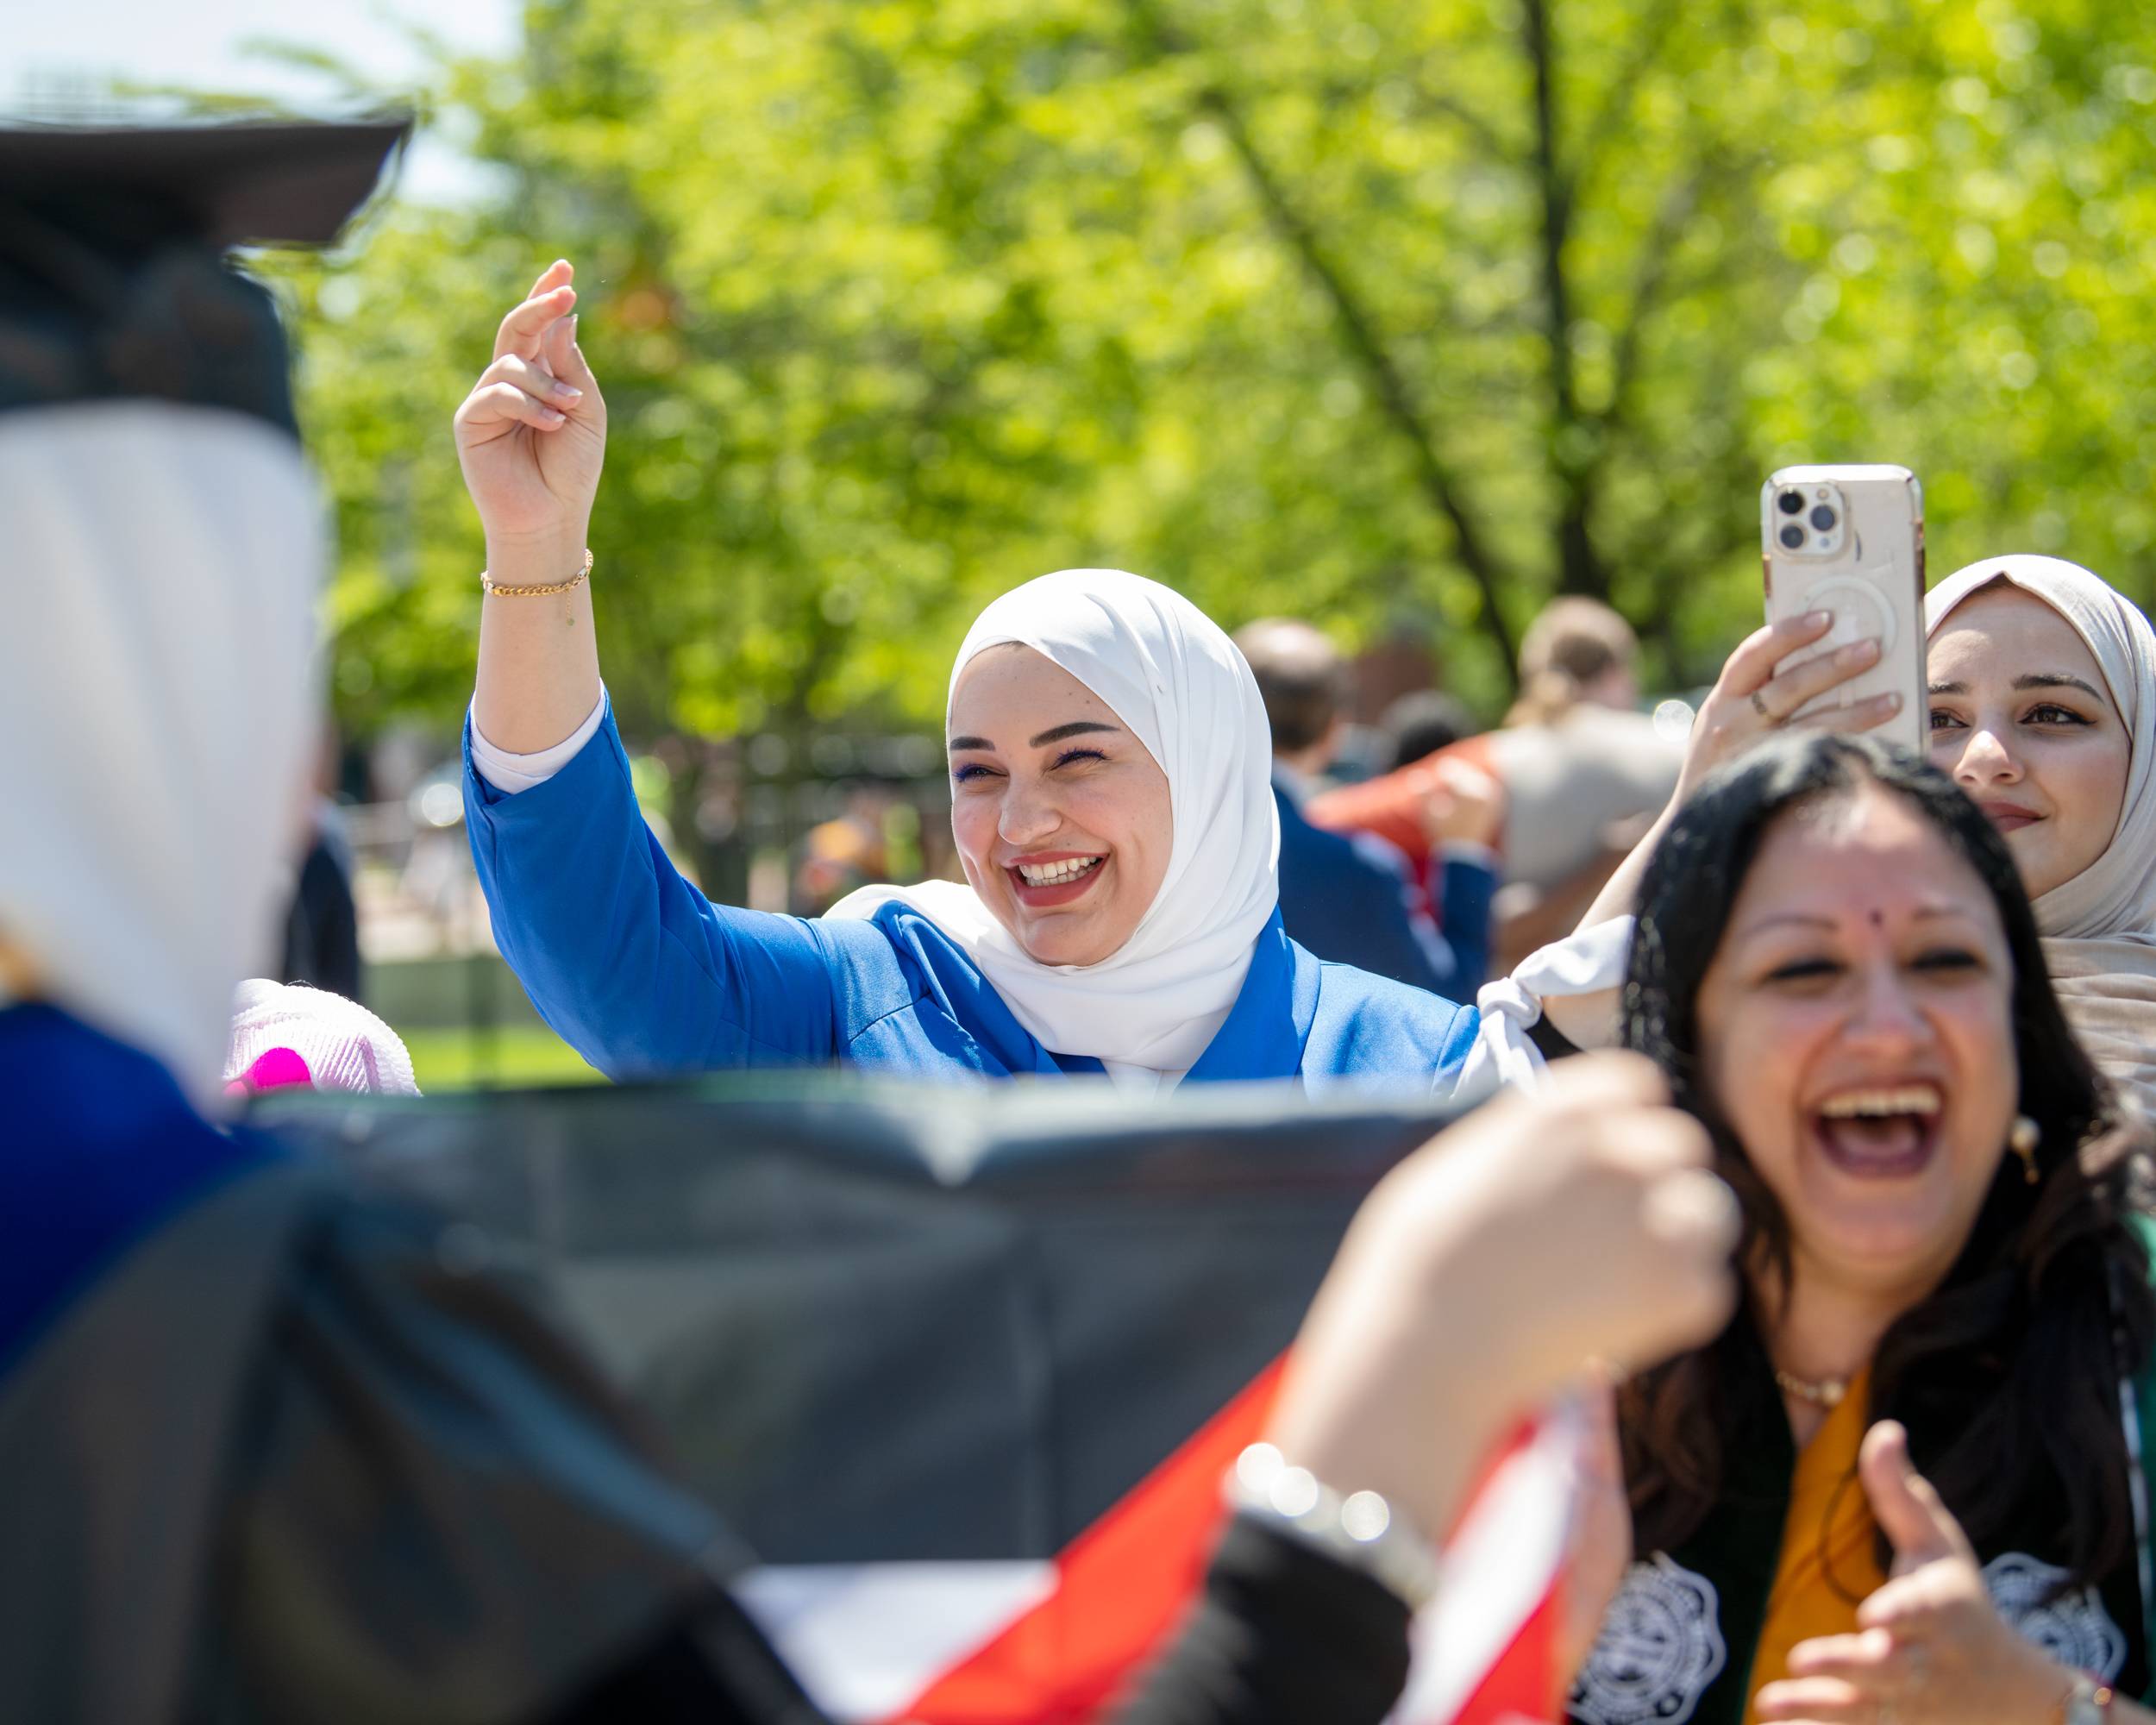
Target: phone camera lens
1793, 537
1791, 502
1823, 518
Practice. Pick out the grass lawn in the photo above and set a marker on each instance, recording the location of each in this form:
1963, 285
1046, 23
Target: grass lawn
517, 1054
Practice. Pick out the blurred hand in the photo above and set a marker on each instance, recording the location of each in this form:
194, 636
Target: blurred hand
1540, 1233
1754, 697
1931, 1648
1462, 804
531, 436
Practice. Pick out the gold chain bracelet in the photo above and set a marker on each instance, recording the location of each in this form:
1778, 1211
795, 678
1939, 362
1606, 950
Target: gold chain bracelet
494, 589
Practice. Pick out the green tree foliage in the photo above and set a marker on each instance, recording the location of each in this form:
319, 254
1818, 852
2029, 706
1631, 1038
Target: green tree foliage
1401, 316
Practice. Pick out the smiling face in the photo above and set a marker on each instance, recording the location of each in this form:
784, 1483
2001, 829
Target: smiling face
2023, 720
1062, 819
1856, 1030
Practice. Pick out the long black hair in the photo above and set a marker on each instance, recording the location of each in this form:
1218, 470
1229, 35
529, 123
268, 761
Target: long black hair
2008, 1375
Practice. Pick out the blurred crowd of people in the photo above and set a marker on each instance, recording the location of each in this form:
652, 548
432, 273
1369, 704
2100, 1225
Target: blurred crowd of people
1848, 1241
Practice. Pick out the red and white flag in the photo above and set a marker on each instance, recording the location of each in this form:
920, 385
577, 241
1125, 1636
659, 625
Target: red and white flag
1485, 1648
1050, 1643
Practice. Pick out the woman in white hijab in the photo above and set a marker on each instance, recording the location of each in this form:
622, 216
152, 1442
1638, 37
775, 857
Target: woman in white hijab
2043, 698
1111, 802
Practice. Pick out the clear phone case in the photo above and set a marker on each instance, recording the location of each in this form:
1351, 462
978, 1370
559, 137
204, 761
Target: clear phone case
1850, 540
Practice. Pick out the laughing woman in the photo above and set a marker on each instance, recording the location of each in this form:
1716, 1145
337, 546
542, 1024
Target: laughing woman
1111, 800
1944, 1262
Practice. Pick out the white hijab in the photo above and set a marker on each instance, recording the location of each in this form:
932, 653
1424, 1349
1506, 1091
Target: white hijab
2100, 927
156, 674
1175, 680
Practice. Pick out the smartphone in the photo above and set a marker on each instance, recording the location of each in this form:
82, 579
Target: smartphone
1851, 541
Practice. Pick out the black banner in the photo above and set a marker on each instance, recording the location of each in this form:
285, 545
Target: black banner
886, 1322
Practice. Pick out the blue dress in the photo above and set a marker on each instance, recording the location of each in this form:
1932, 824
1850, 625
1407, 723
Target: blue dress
644, 977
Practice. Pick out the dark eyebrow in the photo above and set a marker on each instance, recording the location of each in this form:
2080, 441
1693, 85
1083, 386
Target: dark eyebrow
1805, 919
2035, 679
1077, 727
2056, 679
1789, 917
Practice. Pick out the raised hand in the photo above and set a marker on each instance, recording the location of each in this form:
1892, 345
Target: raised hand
531, 436
1931, 1648
1485, 1270
1757, 694
1462, 804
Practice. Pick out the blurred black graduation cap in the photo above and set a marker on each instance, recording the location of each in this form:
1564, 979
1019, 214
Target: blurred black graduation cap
113, 279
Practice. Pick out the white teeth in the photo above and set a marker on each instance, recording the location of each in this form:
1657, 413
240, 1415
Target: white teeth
1054, 874
1907, 1099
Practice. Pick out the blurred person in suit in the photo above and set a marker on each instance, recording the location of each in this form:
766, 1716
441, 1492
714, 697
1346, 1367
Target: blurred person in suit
1353, 897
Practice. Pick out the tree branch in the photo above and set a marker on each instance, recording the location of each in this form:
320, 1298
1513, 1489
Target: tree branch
1653, 274
1439, 484
1624, 84
1580, 569
1358, 328
1492, 142
1649, 279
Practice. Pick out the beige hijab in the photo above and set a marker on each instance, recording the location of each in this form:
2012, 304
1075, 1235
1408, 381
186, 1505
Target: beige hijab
2100, 927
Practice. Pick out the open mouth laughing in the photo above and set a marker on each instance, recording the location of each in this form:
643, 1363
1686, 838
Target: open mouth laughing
1880, 1131
1041, 883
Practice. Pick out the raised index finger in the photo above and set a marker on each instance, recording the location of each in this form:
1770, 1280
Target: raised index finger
524, 329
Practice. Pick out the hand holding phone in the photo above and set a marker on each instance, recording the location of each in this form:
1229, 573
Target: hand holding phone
1847, 541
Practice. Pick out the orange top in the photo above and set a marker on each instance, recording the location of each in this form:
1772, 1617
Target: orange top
1829, 1563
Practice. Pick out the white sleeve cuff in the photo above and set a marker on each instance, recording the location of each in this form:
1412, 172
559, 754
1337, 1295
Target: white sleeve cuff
1589, 962
511, 774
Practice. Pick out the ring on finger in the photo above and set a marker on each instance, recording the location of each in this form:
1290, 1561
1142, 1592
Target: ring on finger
1759, 707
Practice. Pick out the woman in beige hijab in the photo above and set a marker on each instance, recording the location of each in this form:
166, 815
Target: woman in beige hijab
2043, 698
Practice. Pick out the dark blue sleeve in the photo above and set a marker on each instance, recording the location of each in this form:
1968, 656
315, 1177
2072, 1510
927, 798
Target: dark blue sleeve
100, 1148
1466, 893
1392, 934
636, 970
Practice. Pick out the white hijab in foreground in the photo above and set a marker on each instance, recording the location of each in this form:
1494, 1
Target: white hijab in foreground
1175, 680
2100, 927
155, 682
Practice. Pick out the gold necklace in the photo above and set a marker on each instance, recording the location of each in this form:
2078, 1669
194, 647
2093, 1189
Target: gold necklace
1826, 1393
